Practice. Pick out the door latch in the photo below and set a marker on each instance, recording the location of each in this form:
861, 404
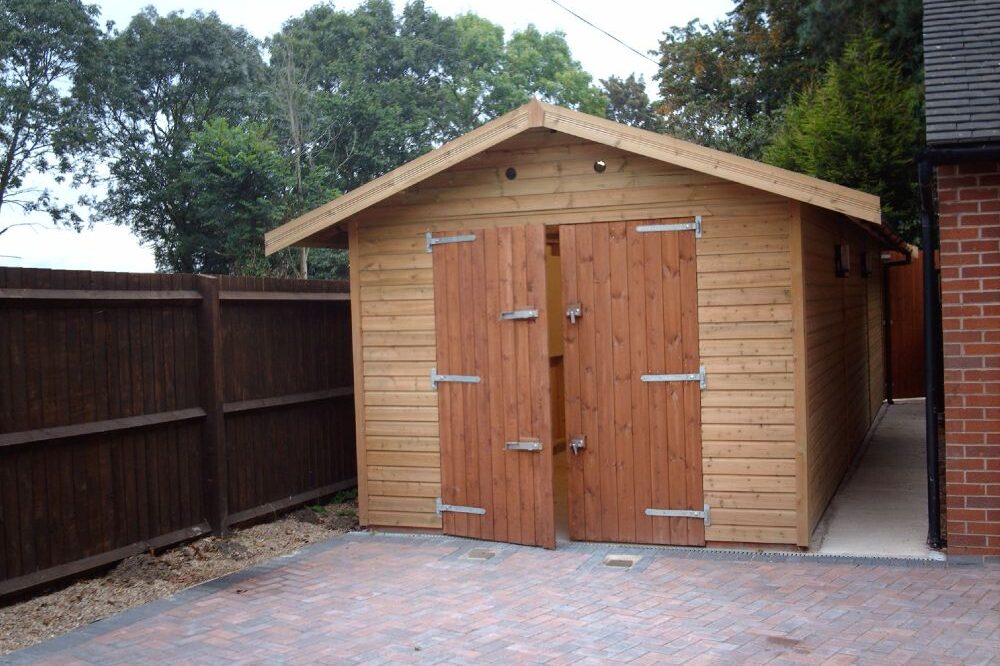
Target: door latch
573, 311
577, 443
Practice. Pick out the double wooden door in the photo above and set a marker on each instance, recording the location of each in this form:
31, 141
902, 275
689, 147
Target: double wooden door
631, 362
633, 382
492, 379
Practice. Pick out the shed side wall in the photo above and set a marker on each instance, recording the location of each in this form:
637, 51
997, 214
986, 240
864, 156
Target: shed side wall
744, 318
844, 370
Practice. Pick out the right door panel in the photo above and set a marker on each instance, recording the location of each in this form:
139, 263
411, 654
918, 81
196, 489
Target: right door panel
637, 293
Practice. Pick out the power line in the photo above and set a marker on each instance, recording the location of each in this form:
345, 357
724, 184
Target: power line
602, 30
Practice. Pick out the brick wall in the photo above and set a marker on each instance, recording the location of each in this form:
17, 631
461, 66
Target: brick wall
969, 216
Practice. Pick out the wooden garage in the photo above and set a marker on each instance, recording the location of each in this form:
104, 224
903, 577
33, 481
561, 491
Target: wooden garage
563, 323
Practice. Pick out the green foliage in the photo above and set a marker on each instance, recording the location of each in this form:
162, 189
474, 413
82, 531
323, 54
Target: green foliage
163, 78
725, 85
629, 103
44, 51
859, 126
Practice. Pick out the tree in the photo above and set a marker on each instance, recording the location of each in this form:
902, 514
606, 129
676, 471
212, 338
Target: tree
725, 85
163, 79
860, 127
44, 47
629, 103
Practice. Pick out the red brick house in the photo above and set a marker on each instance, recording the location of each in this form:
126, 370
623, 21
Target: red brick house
961, 166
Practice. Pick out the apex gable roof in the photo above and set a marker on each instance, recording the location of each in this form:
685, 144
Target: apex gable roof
535, 114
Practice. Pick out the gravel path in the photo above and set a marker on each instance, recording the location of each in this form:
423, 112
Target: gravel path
147, 577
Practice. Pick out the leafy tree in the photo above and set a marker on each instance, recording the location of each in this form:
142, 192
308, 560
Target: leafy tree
860, 127
725, 85
44, 47
163, 79
629, 103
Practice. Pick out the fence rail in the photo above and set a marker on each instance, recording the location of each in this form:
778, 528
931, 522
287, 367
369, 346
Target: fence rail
140, 410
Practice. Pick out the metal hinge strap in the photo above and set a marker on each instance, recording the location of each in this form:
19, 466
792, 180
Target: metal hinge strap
441, 240
519, 314
705, 515
441, 507
699, 377
530, 445
460, 379
683, 226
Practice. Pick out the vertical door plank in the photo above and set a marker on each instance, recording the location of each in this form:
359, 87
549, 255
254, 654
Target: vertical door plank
623, 377
604, 376
497, 398
465, 348
694, 492
484, 442
656, 354
512, 469
540, 380
588, 385
572, 381
642, 478
671, 298
522, 362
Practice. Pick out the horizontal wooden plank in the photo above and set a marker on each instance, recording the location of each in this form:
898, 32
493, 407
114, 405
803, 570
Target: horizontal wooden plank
742, 262
745, 330
408, 292
402, 443
750, 466
286, 400
743, 296
282, 296
723, 449
764, 415
781, 277
739, 246
738, 500
752, 484
403, 519
398, 353
401, 398
756, 382
748, 433
397, 323
413, 276
404, 414
89, 297
738, 534
747, 364
402, 429
397, 338
272, 508
418, 474
386, 308
100, 427
403, 489
404, 458
753, 517
719, 398
387, 383
402, 504
743, 347
740, 313
718, 227
400, 369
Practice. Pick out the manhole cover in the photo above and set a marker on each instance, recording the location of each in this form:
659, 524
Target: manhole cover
621, 561
479, 554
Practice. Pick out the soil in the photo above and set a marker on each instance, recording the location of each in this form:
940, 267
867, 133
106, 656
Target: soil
150, 576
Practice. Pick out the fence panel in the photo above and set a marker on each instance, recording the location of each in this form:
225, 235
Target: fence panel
906, 345
138, 410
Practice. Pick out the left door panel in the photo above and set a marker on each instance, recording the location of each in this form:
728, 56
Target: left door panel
493, 394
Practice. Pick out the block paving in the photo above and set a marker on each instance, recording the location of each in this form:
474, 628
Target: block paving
387, 599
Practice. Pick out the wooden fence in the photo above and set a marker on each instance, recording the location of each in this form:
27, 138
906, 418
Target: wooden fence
140, 410
906, 329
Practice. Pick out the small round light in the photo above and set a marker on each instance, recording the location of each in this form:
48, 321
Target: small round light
511, 173
600, 166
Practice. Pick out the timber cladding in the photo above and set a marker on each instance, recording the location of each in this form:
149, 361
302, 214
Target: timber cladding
744, 291
140, 410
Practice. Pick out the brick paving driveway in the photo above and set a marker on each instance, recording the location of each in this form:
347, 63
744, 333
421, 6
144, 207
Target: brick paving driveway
405, 599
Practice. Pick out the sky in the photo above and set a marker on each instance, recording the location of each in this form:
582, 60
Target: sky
638, 23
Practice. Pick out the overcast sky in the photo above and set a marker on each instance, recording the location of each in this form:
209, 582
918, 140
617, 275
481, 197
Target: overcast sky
639, 23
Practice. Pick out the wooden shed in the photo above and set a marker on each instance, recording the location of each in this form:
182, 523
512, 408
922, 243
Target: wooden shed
683, 346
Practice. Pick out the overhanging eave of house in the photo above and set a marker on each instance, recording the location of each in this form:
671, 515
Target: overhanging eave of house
305, 229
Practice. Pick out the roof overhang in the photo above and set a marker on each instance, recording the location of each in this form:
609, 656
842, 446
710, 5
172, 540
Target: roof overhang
852, 203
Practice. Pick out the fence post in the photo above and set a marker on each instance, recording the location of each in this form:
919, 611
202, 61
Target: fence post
213, 440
